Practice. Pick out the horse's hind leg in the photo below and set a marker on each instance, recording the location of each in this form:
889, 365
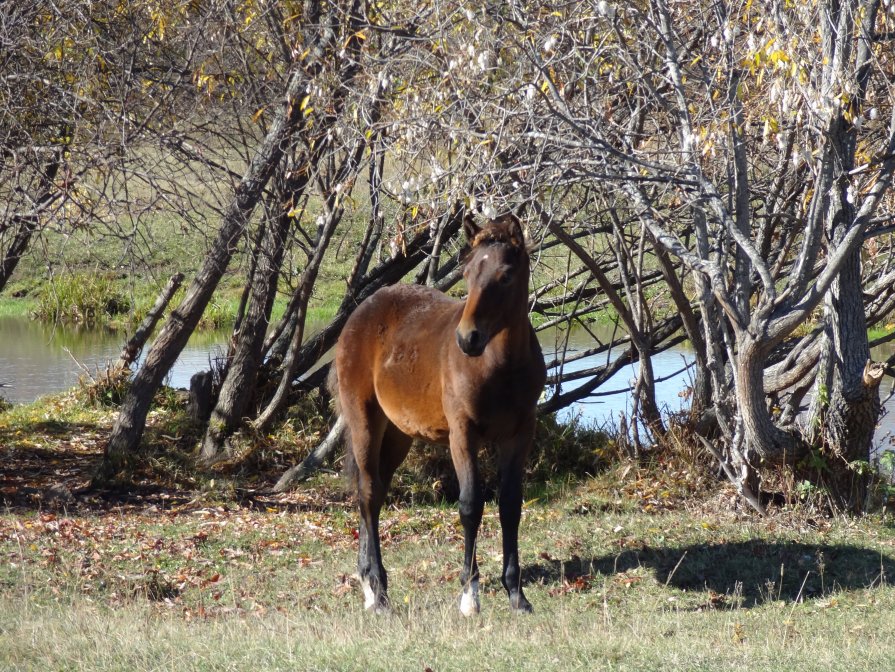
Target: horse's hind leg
367, 424
379, 448
395, 446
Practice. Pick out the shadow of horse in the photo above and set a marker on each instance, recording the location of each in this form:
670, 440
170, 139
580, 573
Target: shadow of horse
756, 570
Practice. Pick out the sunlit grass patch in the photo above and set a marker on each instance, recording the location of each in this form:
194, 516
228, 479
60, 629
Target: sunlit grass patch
207, 571
206, 587
11, 306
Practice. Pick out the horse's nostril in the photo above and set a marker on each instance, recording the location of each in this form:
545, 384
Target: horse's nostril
471, 343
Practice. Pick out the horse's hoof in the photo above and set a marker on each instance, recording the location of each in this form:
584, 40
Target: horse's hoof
469, 602
521, 606
369, 595
378, 605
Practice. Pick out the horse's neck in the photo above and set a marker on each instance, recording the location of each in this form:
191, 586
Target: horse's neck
513, 343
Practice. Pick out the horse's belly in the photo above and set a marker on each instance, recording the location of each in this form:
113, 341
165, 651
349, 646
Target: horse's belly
420, 422
410, 397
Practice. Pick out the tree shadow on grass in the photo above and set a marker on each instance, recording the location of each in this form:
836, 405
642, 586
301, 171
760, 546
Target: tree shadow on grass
51, 466
737, 574
50, 459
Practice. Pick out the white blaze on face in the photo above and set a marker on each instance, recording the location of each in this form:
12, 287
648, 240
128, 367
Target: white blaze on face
469, 600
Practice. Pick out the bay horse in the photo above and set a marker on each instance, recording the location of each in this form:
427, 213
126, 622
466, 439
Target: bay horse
412, 362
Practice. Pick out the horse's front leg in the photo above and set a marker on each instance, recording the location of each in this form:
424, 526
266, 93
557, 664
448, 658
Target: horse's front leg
464, 450
513, 456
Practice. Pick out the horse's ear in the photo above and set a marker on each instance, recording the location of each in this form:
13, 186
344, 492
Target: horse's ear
470, 228
517, 232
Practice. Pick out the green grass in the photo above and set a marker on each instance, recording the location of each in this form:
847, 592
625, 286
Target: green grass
11, 306
209, 587
636, 568
92, 282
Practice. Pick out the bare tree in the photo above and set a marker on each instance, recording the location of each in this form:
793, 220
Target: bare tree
747, 174
288, 118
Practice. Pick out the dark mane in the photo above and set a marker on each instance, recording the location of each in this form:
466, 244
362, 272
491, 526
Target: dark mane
500, 230
503, 230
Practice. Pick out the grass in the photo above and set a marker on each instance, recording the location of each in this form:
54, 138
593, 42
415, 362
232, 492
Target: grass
119, 295
628, 569
16, 307
204, 587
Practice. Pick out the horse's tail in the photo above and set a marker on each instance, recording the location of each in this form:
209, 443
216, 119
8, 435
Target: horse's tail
349, 465
332, 386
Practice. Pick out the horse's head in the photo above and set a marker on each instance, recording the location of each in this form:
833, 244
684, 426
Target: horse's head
496, 272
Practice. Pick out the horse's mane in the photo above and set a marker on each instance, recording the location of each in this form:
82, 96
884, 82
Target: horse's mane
504, 230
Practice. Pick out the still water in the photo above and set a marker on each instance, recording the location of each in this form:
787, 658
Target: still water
38, 359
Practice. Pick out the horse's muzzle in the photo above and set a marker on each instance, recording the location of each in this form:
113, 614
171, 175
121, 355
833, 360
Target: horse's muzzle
473, 343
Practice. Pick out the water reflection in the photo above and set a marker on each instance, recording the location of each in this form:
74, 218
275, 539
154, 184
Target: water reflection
38, 359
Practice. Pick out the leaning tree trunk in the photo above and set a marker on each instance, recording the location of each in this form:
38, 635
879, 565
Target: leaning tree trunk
26, 223
239, 383
134, 346
131, 421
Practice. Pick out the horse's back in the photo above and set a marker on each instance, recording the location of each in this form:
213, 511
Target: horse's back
399, 314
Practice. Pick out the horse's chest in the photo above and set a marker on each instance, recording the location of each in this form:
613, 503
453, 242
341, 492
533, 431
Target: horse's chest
500, 404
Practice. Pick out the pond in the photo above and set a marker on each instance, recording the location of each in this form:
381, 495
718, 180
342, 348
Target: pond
38, 359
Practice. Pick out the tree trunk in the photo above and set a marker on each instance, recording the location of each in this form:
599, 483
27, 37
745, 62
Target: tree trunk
701, 396
239, 383
849, 406
846, 422
27, 223
762, 438
312, 462
131, 421
134, 346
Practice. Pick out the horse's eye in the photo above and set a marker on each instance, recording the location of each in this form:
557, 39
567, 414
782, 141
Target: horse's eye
506, 279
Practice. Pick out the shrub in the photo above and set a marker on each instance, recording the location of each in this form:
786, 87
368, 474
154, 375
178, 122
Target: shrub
81, 298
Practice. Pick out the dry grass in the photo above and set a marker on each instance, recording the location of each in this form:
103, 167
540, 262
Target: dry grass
632, 569
199, 586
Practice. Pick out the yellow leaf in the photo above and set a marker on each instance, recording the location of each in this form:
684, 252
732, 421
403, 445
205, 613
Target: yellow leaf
360, 35
257, 115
